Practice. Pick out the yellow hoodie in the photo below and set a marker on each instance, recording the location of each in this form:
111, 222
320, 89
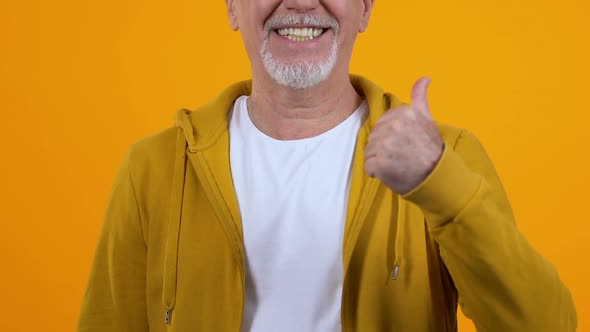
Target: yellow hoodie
170, 255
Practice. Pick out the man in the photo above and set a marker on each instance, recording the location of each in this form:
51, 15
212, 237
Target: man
309, 200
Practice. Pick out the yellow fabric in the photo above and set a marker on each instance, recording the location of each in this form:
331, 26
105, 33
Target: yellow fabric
170, 255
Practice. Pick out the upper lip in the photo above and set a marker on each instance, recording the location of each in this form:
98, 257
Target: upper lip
298, 26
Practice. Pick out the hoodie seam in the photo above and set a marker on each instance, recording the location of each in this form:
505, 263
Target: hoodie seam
212, 180
217, 133
192, 143
459, 137
227, 209
475, 193
137, 205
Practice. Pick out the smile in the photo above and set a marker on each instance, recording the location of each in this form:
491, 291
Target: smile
300, 34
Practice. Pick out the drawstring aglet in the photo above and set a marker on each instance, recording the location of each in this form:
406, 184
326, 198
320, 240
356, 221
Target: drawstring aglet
167, 318
395, 272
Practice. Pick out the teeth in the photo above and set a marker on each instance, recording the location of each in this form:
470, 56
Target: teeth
300, 34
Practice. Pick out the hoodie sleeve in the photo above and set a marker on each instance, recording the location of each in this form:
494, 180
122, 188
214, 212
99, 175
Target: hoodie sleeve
115, 297
503, 283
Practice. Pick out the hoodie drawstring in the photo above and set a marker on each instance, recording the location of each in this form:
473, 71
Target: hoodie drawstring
399, 238
173, 232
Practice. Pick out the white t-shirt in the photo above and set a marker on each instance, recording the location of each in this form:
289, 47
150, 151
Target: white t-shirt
293, 198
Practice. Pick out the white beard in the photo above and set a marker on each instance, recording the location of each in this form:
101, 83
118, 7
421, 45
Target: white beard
301, 74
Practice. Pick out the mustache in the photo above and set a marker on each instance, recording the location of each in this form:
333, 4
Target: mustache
276, 22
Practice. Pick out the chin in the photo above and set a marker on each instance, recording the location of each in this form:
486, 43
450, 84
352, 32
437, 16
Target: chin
301, 74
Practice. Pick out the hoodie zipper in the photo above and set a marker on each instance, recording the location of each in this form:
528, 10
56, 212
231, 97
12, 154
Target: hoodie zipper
224, 215
367, 197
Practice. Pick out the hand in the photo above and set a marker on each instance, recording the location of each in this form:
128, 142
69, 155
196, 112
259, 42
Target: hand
405, 144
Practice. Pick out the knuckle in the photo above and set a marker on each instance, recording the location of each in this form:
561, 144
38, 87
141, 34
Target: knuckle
379, 163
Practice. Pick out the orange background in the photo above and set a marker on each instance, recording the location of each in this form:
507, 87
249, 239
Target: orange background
81, 80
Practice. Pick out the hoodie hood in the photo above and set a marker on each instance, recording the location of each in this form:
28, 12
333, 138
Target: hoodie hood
204, 125
207, 128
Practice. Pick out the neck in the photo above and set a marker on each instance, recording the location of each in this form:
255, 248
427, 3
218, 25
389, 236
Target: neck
290, 114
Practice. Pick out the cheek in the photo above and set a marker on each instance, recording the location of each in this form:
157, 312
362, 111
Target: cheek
348, 13
258, 11
255, 13
252, 16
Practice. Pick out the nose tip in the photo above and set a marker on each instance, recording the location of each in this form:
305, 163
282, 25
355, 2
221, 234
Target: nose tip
301, 6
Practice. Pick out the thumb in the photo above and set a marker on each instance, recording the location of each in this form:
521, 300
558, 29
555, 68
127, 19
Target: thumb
419, 97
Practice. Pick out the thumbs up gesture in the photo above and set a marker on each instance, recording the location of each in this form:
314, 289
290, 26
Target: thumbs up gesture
405, 144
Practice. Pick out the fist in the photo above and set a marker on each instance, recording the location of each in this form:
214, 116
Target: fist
405, 144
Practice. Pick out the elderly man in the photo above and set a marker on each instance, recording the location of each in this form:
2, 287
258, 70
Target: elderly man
307, 199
